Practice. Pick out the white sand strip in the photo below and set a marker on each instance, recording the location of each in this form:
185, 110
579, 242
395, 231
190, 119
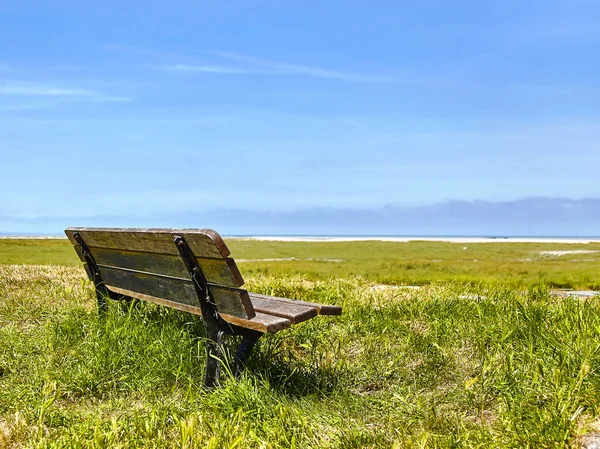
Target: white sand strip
427, 239
25, 237
566, 252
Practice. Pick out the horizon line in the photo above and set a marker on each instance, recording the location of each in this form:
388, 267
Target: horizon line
459, 238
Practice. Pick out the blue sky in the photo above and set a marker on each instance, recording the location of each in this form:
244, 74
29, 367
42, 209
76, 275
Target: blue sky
322, 117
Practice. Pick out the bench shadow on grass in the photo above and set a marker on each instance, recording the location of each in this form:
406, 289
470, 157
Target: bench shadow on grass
271, 361
296, 382
291, 374
288, 375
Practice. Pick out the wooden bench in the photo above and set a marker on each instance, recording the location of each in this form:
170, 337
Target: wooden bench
189, 270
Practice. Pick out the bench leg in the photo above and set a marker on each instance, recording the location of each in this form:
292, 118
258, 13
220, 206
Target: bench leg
102, 298
244, 350
213, 357
103, 295
214, 354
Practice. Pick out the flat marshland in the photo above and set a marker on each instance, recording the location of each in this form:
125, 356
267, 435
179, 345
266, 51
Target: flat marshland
560, 265
481, 355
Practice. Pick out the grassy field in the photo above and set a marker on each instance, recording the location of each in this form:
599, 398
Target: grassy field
37, 251
482, 363
418, 263
424, 262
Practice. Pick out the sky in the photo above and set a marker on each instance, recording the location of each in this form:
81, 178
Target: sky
301, 117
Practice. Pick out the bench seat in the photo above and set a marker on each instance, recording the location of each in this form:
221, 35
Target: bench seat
272, 313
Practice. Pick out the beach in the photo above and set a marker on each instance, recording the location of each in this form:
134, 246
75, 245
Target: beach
571, 240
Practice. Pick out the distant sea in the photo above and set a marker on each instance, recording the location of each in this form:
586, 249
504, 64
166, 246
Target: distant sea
325, 238
20, 234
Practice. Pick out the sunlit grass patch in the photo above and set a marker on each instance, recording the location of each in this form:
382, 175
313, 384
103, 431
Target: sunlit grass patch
446, 365
560, 265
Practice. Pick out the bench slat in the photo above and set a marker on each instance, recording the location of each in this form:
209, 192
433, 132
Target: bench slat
261, 322
217, 271
322, 309
232, 301
293, 312
79, 253
176, 290
202, 242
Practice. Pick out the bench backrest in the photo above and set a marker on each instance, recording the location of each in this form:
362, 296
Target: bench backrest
145, 264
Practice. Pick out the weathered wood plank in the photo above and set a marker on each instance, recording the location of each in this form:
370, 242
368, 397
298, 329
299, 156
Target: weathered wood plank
88, 271
216, 271
154, 299
232, 301
69, 233
81, 257
79, 253
322, 309
293, 312
202, 242
172, 289
260, 322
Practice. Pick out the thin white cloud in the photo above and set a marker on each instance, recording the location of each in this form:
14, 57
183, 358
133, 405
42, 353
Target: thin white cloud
20, 89
300, 69
102, 98
319, 72
218, 69
249, 65
22, 106
36, 90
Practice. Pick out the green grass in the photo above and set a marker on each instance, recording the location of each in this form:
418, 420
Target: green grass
419, 262
448, 365
423, 262
37, 251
